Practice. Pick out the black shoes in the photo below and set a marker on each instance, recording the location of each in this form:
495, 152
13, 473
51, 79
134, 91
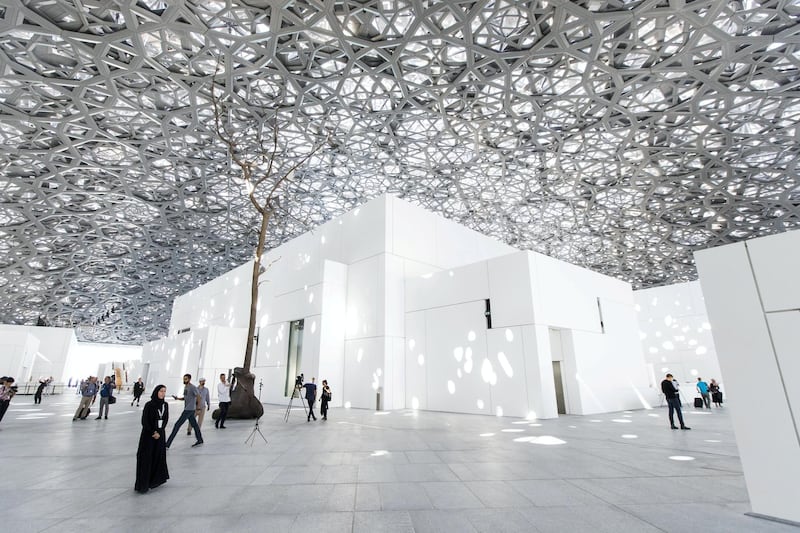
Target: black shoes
198, 443
98, 418
685, 427
673, 427
222, 427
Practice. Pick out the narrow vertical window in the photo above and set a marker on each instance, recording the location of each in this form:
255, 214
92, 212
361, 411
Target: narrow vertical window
600, 314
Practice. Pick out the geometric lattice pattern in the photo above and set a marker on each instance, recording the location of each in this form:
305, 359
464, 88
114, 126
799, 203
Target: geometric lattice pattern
617, 135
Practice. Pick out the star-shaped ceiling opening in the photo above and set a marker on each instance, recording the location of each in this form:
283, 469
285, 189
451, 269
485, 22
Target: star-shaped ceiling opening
616, 135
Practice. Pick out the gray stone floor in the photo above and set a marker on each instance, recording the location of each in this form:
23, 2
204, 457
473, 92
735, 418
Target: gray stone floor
368, 472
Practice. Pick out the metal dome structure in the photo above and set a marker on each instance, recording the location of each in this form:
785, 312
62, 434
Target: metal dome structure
618, 135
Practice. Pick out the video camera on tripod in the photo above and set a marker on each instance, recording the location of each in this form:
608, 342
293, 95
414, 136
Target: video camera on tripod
298, 385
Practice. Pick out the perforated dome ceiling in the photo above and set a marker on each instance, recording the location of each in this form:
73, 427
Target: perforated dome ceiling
616, 135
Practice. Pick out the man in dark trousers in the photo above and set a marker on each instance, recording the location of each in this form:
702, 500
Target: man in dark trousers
191, 401
311, 397
673, 401
43, 383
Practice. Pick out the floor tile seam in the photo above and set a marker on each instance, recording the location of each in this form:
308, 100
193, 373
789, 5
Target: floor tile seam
602, 478
671, 451
635, 517
506, 484
590, 494
616, 493
79, 514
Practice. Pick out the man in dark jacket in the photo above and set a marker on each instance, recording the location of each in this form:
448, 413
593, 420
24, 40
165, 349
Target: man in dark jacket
138, 389
311, 397
673, 401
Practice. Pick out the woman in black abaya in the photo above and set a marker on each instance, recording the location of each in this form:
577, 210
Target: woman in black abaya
151, 458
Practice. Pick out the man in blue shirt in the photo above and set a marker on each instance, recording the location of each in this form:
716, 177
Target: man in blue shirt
191, 402
311, 397
702, 388
106, 392
88, 393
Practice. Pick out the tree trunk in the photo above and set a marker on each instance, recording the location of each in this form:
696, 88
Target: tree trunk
244, 403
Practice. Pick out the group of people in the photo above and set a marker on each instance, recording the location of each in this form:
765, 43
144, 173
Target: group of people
151, 456
670, 387
89, 390
311, 398
709, 392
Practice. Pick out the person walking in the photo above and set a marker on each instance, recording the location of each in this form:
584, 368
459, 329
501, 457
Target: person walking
151, 456
7, 391
324, 399
191, 401
673, 401
88, 392
224, 395
106, 391
702, 388
311, 397
138, 389
205, 404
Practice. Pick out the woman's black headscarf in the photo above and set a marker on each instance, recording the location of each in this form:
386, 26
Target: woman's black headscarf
154, 397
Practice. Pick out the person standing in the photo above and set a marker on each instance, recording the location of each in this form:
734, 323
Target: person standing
702, 388
106, 391
224, 394
7, 391
311, 397
191, 401
205, 404
673, 401
716, 394
151, 456
138, 389
88, 392
43, 383
324, 399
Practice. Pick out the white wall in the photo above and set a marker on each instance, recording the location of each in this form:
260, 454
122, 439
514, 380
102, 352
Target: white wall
172, 357
86, 357
50, 354
223, 301
676, 334
603, 367
18, 348
753, 304
532, 298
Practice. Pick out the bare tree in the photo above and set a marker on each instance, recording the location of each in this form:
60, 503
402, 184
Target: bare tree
266, 167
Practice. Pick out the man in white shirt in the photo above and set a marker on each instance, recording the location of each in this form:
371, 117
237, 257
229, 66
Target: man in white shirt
224, 393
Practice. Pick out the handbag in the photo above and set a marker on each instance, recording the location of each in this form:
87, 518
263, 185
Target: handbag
112, 400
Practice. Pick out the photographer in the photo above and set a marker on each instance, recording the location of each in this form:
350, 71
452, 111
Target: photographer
7, 391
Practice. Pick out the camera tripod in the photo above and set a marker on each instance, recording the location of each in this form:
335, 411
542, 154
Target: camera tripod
252, 438
295, 394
